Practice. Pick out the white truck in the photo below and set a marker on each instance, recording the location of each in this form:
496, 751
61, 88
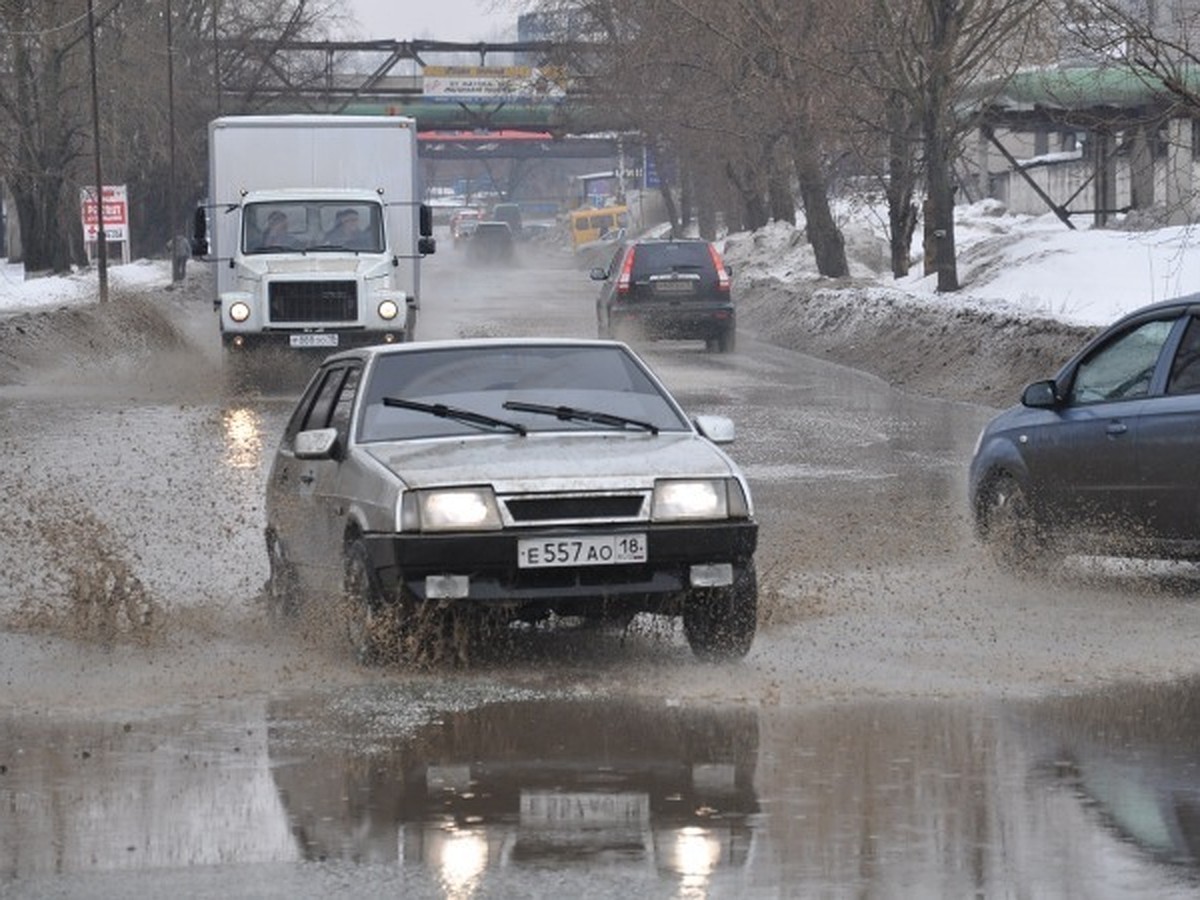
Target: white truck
317, 229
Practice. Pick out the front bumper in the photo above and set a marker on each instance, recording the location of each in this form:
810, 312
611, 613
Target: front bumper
489, 563
314, 341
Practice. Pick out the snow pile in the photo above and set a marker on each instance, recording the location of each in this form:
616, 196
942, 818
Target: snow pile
19, 294
1019, 265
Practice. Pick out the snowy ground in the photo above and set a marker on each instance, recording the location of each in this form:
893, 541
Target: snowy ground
1032, 290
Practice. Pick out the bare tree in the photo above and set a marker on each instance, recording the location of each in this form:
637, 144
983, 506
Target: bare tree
46, 128
914, 64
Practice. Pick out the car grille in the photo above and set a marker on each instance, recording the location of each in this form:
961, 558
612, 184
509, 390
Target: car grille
559, 509
313, 301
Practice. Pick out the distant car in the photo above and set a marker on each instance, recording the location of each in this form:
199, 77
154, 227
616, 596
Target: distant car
463, 222
657, 288
510, 214
1104, 458
491, 242
520, 478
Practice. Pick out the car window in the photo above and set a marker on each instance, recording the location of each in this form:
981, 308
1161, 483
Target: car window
344, 403
481, 380
1122, 368
672, 256
1185, 368
321, 411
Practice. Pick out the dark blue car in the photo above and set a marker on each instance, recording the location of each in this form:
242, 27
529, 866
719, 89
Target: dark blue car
1104, 458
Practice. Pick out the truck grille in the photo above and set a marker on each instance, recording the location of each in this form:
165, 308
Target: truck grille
584, 508
313, 301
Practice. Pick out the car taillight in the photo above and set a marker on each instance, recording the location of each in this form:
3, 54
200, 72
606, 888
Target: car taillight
722, 275
626, 276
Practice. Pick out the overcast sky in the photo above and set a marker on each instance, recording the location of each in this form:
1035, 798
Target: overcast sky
442, 20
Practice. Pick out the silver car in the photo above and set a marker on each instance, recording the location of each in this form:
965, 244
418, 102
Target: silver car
508, 480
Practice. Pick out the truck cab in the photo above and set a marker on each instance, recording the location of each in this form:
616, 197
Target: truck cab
319, 247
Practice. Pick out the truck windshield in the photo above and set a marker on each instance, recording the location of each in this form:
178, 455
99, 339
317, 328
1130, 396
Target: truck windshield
316, 226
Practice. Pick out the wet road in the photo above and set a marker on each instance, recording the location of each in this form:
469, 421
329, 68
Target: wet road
909, 723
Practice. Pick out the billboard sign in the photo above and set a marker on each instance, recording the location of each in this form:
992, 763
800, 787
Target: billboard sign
455, 84
116, 213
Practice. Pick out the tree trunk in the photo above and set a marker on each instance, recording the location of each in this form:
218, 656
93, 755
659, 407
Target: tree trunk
779, 193
901, 185
755, 211
823, 234
938, 127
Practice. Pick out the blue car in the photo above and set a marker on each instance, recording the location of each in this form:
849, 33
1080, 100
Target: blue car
1103, 458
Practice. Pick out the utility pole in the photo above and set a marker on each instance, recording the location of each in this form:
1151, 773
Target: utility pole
101, 237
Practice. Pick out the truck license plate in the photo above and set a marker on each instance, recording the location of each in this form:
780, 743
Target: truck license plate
314, 340
600, 550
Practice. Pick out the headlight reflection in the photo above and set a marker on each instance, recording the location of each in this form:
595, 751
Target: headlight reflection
460, 857
243, 438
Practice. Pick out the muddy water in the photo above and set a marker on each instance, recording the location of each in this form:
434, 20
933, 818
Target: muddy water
512, 792
909, 722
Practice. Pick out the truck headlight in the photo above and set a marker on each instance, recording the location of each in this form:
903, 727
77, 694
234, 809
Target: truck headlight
450, 509
388, 310
239, 311
698, 498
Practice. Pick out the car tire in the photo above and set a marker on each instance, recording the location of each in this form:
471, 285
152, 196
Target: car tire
719, 623
727, 341
371, 623
282, 590
603, 327
1006, 525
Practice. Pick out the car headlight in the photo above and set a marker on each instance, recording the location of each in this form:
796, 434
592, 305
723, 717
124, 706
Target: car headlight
450, 509
239, 311
701, 498
388, 310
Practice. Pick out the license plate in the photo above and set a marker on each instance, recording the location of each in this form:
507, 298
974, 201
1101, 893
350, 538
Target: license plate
553, 808
599, 550
314, 340
674, 287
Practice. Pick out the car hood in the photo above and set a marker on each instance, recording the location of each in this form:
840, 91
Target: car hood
553, 462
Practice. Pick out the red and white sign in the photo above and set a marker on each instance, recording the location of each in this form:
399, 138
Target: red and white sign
116, 212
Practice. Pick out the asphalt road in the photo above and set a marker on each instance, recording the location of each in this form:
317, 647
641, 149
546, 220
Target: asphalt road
909, 722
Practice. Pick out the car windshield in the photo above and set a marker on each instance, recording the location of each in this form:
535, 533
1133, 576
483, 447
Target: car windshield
321, 226
600, 379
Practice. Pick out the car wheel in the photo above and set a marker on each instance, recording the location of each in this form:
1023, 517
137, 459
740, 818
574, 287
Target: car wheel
603, 327
727, 341
283, 588
370, 621
1006, 525
719, 623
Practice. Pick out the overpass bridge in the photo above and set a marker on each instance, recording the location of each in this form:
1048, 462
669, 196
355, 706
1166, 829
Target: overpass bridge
391, 77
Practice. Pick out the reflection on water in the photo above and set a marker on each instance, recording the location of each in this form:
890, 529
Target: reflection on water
545, 784
1090, 797
243, 428
1131, 758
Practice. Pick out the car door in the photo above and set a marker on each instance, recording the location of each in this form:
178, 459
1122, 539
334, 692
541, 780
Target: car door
1169, 443
313, 541
1084, 461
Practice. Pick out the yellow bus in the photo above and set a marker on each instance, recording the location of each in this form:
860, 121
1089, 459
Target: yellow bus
593, 224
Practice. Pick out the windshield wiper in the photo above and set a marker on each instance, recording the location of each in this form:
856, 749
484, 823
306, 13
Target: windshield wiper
459, 415
570, 413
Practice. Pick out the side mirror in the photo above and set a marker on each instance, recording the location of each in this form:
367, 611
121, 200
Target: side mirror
200, 233
320, 443
729, 270
426, 246
717, 429
425, 227
1040, 395
598, 274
